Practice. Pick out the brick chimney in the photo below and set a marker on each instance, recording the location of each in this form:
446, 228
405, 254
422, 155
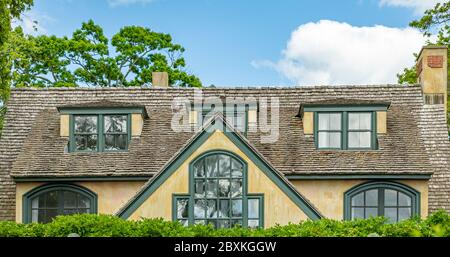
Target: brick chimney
432, 74
160, 79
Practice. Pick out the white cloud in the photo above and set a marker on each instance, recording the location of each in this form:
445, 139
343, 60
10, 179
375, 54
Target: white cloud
114, 3
330, 52
419, 6
33, 23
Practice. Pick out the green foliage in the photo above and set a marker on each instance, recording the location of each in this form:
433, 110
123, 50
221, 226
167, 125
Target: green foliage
85, 58
90, 225
409, 76
9, 10
439, 15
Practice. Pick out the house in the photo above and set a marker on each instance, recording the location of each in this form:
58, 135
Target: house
250, 156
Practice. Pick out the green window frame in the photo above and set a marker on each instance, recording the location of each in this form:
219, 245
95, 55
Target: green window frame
101, 133
236, 112
393, 200
59, 192
87, 136
345, 129
329, 131
186, 207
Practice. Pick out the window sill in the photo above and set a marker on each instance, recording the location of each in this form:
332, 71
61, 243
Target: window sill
347, 150
97, 152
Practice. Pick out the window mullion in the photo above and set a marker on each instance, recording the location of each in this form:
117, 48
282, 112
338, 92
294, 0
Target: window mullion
71, 134
316, 129
344, 131
128, 128
100, 134
381, 202
60, 202
191, 202
373, 135
244, 200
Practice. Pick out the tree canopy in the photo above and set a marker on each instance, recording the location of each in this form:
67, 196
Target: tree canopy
9, 10
89, 58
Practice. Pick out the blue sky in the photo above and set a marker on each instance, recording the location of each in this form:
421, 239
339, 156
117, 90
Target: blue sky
264, 42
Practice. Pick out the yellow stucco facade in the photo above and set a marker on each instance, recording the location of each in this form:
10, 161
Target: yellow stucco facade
137, 123
64, 125
308, 123
279, 208
111, 195
328, 195
381, 122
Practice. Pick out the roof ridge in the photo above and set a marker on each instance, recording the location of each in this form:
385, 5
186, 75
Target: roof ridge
255, 87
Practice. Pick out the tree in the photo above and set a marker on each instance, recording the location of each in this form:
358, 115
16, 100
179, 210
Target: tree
434, 20
9, 10
85, 58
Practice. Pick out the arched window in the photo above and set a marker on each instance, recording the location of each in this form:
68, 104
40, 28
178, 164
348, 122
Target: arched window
395, 201
218, 194
44, 203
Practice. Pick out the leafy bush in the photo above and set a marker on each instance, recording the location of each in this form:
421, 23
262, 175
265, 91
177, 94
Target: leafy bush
89, 225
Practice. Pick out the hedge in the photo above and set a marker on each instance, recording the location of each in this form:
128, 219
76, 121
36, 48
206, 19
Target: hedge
91, 225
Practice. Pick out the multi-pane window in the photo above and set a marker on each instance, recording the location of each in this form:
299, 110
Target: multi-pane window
86, 132
394, 203
104, 132
45, 206
330, 130
218, 195
254, 211
236, 117
182, 210
345, 130
397, 205
359, 129
365, 204
218, 181
237, 120
115, 132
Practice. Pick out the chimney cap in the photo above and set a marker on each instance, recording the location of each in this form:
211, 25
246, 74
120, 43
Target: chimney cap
430, 47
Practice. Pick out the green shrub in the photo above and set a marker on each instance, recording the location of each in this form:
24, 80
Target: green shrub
89, 225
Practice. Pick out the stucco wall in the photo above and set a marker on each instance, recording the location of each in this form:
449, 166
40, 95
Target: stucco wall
328, 195
433, 80
111, 195
279, 208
